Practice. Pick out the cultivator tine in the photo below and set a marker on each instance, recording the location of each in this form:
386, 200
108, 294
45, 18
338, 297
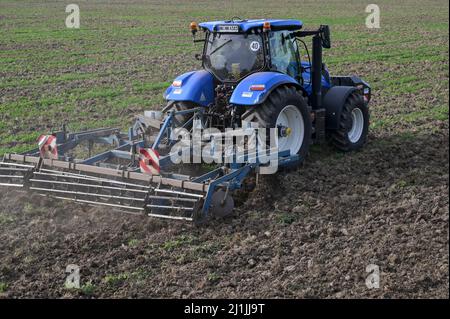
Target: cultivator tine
48, 172
14, 175
86, 194
174, 198
95, 203
96, 190
171, 217
168, 191
89, 189
173, 204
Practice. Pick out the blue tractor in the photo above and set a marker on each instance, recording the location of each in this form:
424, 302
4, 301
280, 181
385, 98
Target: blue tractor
253, 76
253, 71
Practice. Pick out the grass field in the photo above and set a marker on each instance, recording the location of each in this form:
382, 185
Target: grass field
124, 55
118, 64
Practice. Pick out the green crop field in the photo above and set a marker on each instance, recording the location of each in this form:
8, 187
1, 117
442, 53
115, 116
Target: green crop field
311, 233
125, 54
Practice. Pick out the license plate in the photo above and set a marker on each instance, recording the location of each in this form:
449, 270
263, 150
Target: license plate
228, 28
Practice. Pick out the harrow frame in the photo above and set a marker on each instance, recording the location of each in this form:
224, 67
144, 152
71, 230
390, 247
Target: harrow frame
95, 181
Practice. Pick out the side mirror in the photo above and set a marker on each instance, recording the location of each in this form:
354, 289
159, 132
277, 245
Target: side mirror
198, 56
325, 36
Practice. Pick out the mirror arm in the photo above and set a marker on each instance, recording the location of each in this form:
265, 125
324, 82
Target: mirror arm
319, 32
302, 34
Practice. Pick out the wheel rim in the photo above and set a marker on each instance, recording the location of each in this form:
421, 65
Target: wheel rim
291, 117
355, 132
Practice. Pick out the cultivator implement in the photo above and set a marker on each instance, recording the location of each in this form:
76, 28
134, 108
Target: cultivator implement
134, 193
186, 161
108, 168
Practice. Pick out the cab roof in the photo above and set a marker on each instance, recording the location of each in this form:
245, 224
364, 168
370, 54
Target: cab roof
246, 25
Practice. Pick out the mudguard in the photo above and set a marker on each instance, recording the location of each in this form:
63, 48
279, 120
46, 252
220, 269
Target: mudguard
195, 86
333, 102
242, 95
306, 75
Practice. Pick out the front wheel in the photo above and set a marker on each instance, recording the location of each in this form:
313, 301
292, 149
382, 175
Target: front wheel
353, 125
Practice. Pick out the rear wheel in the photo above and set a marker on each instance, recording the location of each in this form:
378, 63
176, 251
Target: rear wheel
287, 110
353, 125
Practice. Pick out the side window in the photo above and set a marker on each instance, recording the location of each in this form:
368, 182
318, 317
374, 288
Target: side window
283, 53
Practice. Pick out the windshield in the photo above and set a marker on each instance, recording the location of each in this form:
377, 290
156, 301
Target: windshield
232, 56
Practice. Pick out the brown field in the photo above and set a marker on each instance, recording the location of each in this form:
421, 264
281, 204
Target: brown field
308, 233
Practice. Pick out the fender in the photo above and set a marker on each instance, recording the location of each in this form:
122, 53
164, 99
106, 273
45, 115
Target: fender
195, 86
333, 103
271, 80
306, 75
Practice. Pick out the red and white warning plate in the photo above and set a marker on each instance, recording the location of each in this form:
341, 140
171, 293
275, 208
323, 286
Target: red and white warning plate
47, 146
149, 161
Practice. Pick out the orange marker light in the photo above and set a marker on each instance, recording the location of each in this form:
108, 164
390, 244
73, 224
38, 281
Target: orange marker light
193, 26
266, 26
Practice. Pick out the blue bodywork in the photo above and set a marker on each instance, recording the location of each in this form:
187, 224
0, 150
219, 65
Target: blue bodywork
196, 86
242, 95
306, 75
246, 25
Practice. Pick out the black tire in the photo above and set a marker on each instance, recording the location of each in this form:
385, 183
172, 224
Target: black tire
340, 137
266, 114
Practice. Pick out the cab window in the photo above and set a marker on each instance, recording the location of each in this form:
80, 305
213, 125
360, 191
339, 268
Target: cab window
233, 56
283, 53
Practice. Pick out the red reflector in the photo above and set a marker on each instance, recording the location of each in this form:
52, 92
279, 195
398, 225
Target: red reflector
257, 87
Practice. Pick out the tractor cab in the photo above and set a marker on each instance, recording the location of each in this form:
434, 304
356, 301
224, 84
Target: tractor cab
235, 49
230, 57
253, 75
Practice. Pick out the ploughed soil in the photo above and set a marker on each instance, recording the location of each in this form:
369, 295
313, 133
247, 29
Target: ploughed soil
306, 233
310, 232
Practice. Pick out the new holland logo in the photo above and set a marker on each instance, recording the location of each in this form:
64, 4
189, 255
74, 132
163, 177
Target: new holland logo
202, 97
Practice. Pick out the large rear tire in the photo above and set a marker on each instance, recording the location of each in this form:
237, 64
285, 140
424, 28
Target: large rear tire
353, 126
285, 107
